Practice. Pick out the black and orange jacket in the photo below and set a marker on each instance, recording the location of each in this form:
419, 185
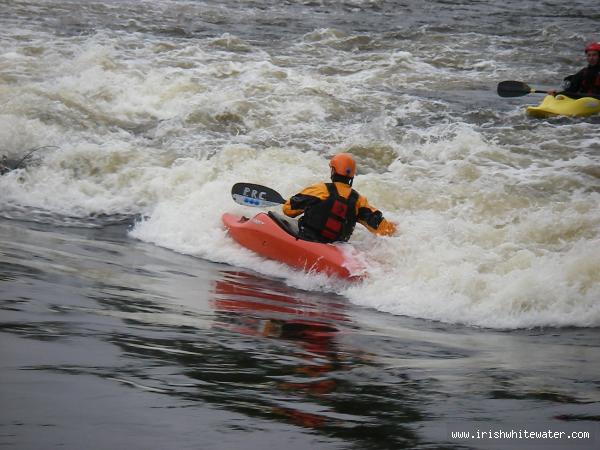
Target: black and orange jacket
321, 212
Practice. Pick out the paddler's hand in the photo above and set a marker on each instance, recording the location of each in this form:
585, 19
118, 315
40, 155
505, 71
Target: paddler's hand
552, 92
386, 228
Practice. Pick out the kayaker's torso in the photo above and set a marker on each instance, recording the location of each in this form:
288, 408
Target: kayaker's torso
331, 211
586, 81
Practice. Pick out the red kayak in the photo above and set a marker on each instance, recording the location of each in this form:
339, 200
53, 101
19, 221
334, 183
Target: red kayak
274, 237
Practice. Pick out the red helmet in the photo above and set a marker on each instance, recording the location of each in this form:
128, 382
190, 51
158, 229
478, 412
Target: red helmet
592, 47
343, 164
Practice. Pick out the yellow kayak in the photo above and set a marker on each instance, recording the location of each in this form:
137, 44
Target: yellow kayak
565, 106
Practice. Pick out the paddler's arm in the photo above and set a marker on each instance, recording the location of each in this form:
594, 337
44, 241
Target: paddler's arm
572, 83
569, 85
296, 205
373, 219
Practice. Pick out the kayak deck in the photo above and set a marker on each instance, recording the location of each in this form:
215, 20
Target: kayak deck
562, 105
275, 237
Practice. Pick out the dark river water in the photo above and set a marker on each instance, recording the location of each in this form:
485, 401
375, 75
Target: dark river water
130, 319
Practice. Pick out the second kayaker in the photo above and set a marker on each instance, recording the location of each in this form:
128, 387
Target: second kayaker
587, 80
331, 210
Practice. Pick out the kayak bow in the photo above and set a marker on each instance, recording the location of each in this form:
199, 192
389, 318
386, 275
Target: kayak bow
562, 105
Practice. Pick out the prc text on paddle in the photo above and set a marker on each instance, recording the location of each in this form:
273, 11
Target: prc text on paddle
253, 193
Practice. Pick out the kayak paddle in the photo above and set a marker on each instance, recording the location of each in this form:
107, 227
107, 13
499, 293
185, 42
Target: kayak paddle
516, 89
249, 194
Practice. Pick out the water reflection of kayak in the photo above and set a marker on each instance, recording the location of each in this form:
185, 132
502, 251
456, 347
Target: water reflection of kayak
312, 363
562, 105
246, 306
275, 237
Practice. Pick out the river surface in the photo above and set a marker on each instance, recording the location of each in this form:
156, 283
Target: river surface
130, 319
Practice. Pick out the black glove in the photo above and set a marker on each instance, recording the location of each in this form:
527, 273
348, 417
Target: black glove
375, 219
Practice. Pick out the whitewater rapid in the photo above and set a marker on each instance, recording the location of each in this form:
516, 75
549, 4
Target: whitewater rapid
498, 215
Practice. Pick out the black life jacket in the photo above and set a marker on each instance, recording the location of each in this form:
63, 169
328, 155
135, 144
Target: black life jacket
332, 219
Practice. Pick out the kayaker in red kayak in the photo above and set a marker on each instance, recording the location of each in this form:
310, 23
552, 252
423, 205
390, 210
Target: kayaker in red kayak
331, 210
587, 80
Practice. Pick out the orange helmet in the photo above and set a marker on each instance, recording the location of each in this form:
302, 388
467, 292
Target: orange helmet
343, 164
592, 47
